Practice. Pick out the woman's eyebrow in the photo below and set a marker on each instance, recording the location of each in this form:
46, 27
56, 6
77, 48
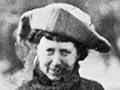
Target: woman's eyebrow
65, 50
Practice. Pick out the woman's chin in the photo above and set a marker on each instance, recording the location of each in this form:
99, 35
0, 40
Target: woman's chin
53, 77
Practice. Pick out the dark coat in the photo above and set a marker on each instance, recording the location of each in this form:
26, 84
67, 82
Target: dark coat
82, 84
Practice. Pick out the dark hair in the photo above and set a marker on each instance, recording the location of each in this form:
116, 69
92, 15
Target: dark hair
36, 36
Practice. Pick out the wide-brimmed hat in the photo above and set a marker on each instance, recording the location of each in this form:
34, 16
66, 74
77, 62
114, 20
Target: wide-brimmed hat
64, 19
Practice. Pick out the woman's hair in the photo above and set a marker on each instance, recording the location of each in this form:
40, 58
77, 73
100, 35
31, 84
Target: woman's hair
36, 36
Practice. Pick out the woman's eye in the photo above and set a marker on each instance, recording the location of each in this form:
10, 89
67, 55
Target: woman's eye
50, 51
65, 52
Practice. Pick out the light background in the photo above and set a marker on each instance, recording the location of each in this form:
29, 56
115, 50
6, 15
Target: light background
94, 68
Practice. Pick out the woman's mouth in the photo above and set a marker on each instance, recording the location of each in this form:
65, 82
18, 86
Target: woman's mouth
55, 72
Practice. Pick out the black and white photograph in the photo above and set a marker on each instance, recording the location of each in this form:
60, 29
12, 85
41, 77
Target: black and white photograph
59, 44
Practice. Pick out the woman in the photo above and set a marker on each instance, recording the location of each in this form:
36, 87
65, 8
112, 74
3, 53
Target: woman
63, 34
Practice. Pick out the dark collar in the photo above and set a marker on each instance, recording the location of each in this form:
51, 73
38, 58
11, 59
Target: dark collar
67, 80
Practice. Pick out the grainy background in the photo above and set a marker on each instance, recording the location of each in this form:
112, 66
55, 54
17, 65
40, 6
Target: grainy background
105, 14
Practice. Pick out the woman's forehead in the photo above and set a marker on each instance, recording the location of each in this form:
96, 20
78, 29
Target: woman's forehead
46, 43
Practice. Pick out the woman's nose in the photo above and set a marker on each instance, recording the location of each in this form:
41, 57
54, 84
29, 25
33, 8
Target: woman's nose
56, 60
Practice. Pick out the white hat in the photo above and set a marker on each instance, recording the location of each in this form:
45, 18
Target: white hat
65, 19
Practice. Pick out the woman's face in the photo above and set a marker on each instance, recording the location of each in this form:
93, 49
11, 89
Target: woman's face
56, 58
